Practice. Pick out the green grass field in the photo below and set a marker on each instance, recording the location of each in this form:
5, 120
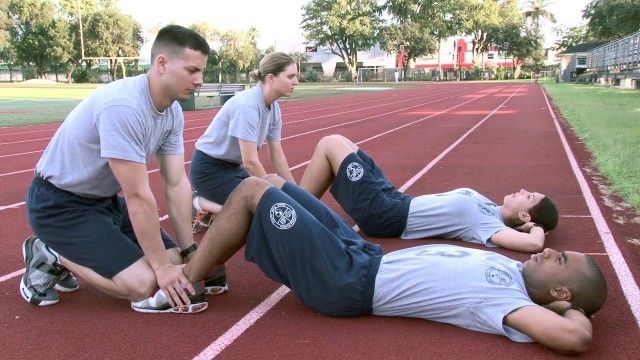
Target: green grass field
607, 120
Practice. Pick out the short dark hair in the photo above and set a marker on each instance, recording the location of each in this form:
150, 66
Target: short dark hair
175, 38
589, 288
545, 213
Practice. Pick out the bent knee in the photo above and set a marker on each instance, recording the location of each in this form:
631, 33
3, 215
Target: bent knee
274, 179
250, 190
135, 288
329, 141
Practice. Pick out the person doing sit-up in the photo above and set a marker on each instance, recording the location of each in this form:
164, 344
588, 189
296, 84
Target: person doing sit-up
297, 240
380, 210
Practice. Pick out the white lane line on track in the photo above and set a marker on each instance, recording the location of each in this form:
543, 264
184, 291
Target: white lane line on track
12, 206
24, 153
240, 327
12, 275
236, 330
627, 282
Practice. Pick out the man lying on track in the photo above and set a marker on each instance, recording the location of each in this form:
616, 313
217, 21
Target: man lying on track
298, 241
380, 210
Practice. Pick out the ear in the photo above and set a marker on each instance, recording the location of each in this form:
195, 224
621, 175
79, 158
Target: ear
524, 216
161, 63
561, 293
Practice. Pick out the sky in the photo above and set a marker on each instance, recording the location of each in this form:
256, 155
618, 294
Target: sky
277, 21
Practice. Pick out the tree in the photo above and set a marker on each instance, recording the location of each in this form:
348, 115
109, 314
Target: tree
5, 24
510, 29
571, 36
300, 57
537, 14
111, 34
416, 40
612, 19
437, 19
343, 26
36, 28
8, 56
480, 17
239, 52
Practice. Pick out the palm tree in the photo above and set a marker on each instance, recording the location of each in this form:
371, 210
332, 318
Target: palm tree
536, 13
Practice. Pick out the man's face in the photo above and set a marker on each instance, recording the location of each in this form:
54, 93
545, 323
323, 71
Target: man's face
184, 73
549, 268
286, 81
522, 200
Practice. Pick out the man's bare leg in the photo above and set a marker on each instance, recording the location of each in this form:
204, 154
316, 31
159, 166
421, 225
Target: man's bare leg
134, 283
227, 234
325, 163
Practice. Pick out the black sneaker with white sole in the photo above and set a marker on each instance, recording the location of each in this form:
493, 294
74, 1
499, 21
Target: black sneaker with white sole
215, 282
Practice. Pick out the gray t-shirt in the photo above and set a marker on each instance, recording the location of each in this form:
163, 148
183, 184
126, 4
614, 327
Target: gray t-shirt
117, 121
470, 288
245, 116
461, 214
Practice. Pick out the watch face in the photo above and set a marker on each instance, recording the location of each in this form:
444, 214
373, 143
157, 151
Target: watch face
327, 48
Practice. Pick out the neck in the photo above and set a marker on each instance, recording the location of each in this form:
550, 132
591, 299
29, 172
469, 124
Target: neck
160, 101
509, 219
269, 95
537, 296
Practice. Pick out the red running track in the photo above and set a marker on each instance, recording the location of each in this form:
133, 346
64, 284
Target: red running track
495, 138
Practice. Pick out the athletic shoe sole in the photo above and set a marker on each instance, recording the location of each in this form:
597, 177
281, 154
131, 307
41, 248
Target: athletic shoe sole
67, 283
216, 289
198, 304
185, 309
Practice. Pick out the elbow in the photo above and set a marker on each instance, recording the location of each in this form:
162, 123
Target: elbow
536, 248
580, 342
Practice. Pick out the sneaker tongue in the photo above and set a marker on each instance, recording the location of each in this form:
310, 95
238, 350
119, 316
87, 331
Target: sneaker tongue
158, 299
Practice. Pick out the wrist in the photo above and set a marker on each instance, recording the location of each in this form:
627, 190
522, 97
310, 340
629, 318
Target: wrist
190, 250
534, 225
571, 307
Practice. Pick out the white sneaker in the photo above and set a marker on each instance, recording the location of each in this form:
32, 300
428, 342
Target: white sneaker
158, 303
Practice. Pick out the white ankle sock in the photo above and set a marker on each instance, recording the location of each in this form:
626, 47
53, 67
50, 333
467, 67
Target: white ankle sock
196, 204
55, 253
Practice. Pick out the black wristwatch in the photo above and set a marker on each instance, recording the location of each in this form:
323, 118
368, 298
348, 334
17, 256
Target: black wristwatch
184, 253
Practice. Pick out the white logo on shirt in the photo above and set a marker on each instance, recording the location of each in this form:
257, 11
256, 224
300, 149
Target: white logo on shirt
354, 171
496, 276
282, 215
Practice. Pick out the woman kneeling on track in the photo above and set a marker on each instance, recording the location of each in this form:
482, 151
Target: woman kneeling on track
227, 152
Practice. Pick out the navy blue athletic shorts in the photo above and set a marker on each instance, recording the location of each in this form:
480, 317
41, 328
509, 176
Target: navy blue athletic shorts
368, 197
215, 179
94, 233
296, 240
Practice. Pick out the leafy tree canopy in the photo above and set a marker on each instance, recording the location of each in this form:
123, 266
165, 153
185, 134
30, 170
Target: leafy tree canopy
343, 26
612, 19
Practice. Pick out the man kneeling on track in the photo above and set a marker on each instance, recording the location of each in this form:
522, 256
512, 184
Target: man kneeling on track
298, 241
380, 210
83, 226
